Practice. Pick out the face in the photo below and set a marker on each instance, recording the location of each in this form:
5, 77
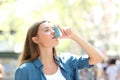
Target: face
46, 36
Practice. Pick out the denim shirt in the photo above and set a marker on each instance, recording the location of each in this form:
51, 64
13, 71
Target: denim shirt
68, 63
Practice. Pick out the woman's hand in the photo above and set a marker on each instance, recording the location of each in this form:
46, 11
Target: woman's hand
66, 32
95, 55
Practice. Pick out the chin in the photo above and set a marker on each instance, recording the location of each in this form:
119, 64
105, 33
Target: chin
56, 43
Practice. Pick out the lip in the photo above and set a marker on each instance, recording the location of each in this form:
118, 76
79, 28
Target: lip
53, 37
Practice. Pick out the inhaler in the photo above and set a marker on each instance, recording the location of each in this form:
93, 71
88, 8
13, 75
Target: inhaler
57, 31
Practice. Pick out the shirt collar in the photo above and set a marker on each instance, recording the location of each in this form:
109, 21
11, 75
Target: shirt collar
38, 63
59, 62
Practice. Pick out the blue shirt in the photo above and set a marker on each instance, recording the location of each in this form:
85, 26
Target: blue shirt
68, 63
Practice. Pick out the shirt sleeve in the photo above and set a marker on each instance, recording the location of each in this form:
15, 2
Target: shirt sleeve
76, 61
83, 63
20, 74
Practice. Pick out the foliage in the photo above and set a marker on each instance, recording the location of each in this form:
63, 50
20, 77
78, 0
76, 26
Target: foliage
88, 18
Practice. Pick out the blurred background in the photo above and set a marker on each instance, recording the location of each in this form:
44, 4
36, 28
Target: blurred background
98, 21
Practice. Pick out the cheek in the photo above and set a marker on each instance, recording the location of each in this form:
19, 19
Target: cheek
45, 38
47, 33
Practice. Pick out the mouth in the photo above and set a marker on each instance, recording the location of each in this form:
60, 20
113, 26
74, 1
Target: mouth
53, 37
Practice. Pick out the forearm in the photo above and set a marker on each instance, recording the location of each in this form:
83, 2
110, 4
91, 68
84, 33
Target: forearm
94, 55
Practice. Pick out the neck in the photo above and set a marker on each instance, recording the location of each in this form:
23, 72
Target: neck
46, 56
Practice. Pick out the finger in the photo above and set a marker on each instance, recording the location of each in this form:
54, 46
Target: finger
67, 31
62, 30
59, 27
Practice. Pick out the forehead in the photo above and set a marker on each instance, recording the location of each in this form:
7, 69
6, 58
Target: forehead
45, 24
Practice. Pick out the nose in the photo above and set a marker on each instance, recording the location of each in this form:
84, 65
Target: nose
52, 30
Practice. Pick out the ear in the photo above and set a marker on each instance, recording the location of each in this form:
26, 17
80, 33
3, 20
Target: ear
34, 39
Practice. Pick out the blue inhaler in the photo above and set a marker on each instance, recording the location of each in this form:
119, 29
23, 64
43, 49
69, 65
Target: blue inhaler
57, 31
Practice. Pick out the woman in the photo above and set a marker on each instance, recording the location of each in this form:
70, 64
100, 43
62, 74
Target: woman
2, 72
112, 69
39, 60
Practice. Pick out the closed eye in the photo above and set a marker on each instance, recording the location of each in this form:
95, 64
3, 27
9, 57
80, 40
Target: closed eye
46, 30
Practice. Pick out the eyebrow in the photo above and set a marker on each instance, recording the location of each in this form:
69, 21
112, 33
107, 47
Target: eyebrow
47, 27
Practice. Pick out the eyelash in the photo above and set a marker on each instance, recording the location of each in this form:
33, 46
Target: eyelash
47, 30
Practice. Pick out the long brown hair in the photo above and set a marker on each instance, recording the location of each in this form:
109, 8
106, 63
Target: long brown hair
31, 50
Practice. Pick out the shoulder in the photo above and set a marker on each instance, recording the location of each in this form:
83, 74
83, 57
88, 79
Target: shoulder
73, 60
26, 65
68, 55
23, 71
24, 68
71, 57
30, 65
65, 56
